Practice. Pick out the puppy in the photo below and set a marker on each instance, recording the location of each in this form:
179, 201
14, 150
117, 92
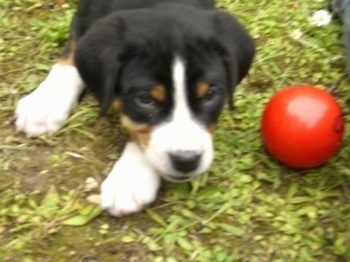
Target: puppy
169, 64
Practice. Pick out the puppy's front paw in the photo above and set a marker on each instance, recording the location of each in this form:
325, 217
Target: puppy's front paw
45, 110
131, 185
38, 114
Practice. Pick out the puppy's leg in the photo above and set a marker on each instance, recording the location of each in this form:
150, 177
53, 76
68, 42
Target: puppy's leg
45, 110
131, 185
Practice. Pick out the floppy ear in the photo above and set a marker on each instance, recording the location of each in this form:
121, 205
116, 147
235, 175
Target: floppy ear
238, 47
98, 59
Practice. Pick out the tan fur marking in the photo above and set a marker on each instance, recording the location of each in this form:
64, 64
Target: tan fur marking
68, 59
202, 88
139, 132
211, 128
158, 93
116, 104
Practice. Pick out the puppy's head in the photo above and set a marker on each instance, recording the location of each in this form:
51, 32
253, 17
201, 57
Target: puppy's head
171, 68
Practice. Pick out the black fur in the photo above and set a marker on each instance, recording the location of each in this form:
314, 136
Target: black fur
126, 47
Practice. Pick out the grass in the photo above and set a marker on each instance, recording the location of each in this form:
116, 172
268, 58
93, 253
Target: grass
248, 207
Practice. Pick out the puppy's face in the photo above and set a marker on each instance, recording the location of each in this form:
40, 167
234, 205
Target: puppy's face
171, 106
171, 70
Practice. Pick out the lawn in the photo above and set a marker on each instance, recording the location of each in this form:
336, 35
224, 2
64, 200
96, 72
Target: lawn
247, 207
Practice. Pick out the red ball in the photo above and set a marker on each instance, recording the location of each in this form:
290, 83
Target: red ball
302, 126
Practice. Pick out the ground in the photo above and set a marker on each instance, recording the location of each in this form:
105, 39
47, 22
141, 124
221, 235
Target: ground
247, 207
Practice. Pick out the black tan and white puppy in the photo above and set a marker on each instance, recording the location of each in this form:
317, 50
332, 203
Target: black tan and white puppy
170, 64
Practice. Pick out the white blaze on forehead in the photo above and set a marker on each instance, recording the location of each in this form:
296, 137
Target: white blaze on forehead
182, 116
179, 82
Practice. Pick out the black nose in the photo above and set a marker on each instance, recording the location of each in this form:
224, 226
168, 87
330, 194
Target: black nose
185, 161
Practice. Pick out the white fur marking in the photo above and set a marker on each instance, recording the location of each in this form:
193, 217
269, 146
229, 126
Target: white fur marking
131, 185
47, 107
181, 109
185, 133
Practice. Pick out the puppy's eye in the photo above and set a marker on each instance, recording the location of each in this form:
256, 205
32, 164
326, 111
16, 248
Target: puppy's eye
144, 100
211, 94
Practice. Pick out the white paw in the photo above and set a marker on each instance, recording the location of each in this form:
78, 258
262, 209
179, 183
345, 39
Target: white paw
131, 185
45, 110
38, 114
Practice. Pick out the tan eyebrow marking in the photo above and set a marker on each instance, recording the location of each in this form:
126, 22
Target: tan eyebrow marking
202, 88
158, 93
